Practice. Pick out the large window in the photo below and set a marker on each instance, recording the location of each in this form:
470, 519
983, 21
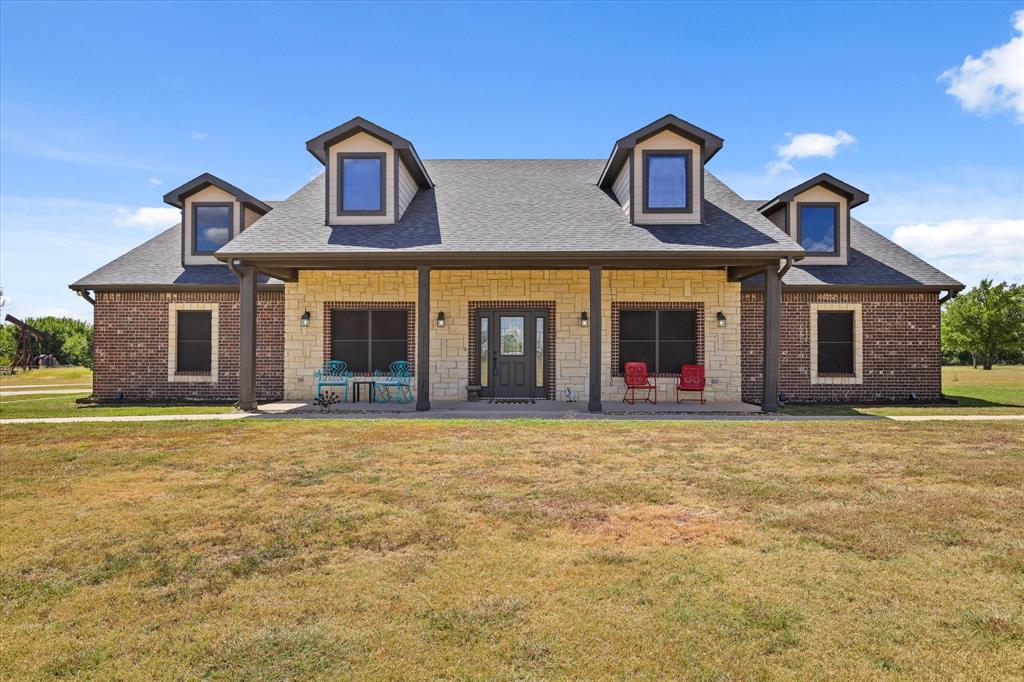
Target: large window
835, 342
664, 339
369, 339
195, 343
818, 226
667, 181
211, 227
361, 183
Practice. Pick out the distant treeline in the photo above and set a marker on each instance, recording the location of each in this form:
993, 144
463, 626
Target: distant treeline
70, 340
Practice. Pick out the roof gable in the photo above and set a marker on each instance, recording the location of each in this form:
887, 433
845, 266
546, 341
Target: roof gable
319, 145
709, 142
176, 197
855, 196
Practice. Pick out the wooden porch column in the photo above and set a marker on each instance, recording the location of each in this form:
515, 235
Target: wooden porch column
247, 339
423, 339
772, 316
594, 404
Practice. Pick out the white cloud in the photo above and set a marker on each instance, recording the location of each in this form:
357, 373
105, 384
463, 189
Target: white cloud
155, 182
149, 217
805, 146
969, 249
198, 136
995, 80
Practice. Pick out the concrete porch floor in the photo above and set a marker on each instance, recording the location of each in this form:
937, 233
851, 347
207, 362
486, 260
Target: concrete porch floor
542, 409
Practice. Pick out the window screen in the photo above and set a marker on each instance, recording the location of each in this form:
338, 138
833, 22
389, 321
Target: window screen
835, 342
194, 340
664, 339
369, 339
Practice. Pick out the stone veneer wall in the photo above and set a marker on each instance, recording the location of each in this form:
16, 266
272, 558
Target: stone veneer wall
899, 346
721, 345
452, 291
131, 346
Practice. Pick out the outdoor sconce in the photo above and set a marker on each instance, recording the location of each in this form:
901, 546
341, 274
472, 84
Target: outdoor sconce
721, 318
584, 320
304, 320
440, 319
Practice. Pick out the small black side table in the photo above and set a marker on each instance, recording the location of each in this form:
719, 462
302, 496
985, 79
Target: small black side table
356, 389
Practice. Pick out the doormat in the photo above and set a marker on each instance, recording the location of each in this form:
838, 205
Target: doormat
513, 401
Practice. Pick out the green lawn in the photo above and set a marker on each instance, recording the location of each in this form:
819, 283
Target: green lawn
64, 405
80, 376
999, 390
285, 550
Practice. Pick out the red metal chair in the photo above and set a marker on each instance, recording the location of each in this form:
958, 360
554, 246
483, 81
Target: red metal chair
637, 379
691, 379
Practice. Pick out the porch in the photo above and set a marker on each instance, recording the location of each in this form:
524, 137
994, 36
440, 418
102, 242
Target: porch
485, 409
566, 325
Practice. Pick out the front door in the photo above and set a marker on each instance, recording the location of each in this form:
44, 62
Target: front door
512, 354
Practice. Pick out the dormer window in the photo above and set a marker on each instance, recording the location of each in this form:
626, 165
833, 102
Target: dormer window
667, 186
818, 227
361, 183
211, 226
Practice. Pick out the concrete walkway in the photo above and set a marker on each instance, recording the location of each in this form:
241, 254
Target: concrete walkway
221, 416
957, 417
506, 414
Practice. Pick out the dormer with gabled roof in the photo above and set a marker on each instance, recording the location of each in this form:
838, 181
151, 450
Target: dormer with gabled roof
372, 173
816, 214
213, 212
656, 173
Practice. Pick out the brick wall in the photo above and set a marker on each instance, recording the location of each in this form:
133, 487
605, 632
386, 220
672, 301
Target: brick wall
899, 345
131, 346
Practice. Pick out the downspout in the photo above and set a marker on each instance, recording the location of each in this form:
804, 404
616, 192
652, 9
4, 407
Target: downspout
84, 293
234, 269
949, 295
786, 267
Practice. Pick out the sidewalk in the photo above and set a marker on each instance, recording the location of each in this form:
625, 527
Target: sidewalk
504, 414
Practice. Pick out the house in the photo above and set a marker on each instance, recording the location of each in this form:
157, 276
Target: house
522, 276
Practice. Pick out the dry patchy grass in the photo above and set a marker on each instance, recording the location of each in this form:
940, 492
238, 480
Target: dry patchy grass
293, 550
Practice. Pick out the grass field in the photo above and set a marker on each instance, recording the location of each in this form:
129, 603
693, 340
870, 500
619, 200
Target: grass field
513, 550
73, 376
976, 391
64, 405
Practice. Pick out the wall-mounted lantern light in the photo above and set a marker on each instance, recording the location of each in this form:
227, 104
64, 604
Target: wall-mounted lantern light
584, 320
721, 318
304, 320
440, 319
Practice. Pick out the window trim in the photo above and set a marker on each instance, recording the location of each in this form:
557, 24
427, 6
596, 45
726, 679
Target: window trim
835, 205
340, 166
858, 343
230, 205
696, 307
173, 376
687, 154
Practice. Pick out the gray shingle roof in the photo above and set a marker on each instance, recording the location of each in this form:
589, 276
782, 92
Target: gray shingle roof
874, 262
157, 263
517, 205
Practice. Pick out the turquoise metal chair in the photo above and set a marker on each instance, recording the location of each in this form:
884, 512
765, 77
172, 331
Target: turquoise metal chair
333, 373
395, 385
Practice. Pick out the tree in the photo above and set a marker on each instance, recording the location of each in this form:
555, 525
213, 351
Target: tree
987, 322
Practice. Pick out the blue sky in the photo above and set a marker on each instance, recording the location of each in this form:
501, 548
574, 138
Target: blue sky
104, 107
